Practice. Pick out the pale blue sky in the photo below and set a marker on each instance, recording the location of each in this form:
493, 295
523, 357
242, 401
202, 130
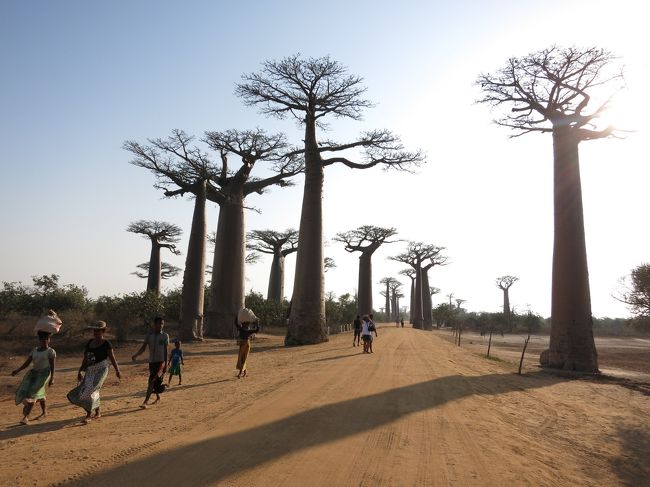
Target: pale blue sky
80, 78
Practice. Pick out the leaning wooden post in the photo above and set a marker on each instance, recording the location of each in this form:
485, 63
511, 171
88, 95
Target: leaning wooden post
489, 344
523, 352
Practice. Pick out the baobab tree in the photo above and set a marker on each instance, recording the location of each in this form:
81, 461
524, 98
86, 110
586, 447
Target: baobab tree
229, 191
328, 264
395, 294
312, 90
162, 235
428, 307
417, 253
279, 245
434, 259
167, 270
504, 283
550, 91
183, 168
410, 273
366, 240
387, 281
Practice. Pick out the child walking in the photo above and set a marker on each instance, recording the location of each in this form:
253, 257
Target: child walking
157, 342
176, 363
32, 387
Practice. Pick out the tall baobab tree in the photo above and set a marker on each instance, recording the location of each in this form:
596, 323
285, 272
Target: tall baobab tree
416, 254
550, 91
162, 235
432, 290
183, 168
279, 245
435, 258
366, 240
387, 281
395, 293
410, 273
229, 191
312, 90
504, 283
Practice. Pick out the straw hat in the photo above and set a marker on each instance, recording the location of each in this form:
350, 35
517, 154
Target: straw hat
97, 325
246, 315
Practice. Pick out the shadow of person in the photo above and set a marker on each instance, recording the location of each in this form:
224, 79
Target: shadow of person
210, 460
35, 427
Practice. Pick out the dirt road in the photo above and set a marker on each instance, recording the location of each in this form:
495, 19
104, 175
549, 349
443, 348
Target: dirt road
418, 411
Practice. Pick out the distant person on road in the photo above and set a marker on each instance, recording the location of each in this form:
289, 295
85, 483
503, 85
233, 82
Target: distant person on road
371, 328
356, 340
247, 325
366, 335
157, 341
402, 322
32, 387
176, 362
98, 357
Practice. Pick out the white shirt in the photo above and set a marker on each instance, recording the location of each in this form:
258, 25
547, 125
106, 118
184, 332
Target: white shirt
364, 328
41, 358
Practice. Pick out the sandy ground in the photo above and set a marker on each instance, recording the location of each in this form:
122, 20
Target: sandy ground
418, 411
624, 357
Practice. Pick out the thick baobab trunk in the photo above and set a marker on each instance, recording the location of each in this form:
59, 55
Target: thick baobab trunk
227, 290
427, 316
572, 344
307, 318
276, 279
412, 302
192, 296
153, 278
417, 299
388, 300
364, 303
506, 310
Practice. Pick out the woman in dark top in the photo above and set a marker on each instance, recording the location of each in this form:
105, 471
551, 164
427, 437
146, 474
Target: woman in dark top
247, 324
95, 364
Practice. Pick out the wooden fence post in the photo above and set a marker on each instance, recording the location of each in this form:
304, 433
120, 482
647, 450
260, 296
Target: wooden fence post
523, 352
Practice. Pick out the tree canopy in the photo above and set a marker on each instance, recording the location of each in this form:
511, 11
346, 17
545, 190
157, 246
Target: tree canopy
553, 87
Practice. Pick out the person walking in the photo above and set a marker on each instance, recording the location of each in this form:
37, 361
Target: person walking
371, 328
356, 340
32, 387
97, 359
176, 362
157, 341
247, 325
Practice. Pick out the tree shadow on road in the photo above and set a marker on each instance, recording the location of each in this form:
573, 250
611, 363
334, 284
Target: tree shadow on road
211, 460
632, 465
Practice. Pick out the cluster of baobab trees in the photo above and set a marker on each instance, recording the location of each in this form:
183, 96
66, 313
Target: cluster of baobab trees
220, 170
549, 91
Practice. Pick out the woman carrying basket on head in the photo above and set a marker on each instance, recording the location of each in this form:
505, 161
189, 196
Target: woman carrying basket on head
32, 387
98, 356
247, 325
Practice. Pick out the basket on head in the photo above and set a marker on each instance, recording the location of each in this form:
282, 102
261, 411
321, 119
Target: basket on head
50, 323
246, 315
